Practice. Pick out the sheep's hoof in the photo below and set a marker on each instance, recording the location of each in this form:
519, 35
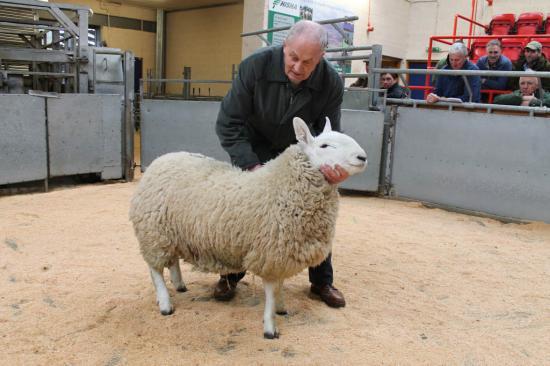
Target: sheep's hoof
268, 335
181, 289
281, 312
167, 312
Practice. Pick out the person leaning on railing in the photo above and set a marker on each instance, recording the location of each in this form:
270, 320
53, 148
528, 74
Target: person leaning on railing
528, 94
494, 60
450, 86
532, 58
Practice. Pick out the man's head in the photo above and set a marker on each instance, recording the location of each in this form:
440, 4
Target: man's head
457, 55
388, 80
532, 51
528, 85
303, 49
494, 50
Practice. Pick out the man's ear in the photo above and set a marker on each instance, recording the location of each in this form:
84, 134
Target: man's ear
302, 131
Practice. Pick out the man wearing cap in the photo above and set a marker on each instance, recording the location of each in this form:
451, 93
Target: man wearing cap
532, 58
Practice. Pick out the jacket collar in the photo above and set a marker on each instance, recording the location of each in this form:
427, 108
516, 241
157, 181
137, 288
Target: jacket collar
277, 70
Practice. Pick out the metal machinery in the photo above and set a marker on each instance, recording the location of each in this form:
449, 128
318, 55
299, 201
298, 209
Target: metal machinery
48, 51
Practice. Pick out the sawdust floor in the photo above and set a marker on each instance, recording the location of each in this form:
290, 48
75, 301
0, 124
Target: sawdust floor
423, 286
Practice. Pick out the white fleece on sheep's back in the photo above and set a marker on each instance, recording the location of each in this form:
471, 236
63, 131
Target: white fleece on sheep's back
274, 222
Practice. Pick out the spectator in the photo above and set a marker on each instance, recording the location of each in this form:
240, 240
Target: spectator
528, 94
494, 60
390, 82
532, 58
362, 82
450, 86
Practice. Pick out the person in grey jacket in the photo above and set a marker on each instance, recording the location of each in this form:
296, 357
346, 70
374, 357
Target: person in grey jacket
254, 124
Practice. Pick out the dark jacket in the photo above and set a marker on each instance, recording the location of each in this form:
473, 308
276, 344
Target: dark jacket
494, 82
360, 83
254, 123
540, 64
396, 91
453, 86
516, 98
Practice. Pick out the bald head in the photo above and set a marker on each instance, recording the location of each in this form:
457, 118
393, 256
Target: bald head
310, 31
528, 85
303, 49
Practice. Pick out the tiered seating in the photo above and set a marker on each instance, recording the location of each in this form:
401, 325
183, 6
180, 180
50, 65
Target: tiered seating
529, 23
478, 49
513, 47
502, 24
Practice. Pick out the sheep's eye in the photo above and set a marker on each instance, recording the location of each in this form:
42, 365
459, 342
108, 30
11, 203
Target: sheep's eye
324, 146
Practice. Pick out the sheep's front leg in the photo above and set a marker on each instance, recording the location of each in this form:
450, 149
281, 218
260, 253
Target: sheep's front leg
270, 330
280, 307
175, 277
163, 297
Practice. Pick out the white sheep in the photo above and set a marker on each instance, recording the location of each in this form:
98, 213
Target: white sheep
274, 222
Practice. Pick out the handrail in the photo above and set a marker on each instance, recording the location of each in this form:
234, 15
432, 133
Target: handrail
489, 107
382, 70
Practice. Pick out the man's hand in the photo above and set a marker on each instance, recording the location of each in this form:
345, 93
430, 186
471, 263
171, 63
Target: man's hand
334, 175
526, 100
432, 98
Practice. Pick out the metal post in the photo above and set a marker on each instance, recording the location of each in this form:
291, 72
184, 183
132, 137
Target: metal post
160, 50
128, 121
186, 85
375, 61
82, 52
468, 87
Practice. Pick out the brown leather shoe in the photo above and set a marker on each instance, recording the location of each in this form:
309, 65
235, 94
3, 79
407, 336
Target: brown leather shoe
330, 295
224, 290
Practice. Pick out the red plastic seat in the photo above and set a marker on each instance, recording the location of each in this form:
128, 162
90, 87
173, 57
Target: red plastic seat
513, 47
478, 49
529, 23
545, 42
502, 24
547, 24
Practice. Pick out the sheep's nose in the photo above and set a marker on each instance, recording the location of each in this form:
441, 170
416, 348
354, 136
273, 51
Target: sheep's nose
362, 158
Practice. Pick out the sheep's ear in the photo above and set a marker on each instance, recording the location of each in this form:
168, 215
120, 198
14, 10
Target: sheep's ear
328, 127
302, 131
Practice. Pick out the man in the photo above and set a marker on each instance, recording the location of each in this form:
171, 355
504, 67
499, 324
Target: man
494, 60
527, 95
254, 124
531, 59
449, 86
394, 90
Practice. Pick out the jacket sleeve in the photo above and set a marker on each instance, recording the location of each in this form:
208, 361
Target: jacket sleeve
508, 99
475, 85
236, 106
501, 82
332, 109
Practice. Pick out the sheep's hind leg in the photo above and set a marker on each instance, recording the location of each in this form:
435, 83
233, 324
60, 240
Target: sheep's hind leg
175, 277
270, 330
163, 297
280, 307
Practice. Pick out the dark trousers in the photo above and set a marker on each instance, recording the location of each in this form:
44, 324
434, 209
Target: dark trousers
320, 275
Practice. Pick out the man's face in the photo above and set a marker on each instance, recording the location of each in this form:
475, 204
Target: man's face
531, 55
387, 81
456, 60
528, 85
493, 53
301, 57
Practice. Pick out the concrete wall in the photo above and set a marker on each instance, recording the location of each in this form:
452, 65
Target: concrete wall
208, 40
142, 44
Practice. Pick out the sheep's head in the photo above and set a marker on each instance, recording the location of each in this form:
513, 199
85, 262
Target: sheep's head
330, 147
